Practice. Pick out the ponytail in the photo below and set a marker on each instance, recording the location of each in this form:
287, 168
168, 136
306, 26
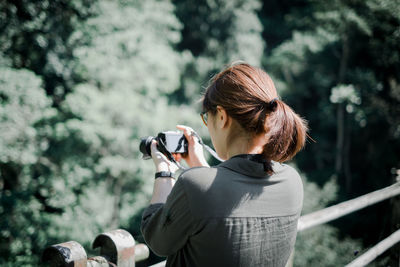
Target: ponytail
285, 132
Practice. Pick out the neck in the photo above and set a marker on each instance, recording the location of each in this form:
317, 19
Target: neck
254, 145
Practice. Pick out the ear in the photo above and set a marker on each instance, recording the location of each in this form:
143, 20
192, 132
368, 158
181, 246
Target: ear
222, 118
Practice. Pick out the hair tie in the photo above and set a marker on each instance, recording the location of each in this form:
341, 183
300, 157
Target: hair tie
265, 108
271, 106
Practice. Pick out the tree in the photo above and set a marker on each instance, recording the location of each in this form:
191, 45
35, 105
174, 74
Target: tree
318, 246
82, 80
23, 104
129, 67
330, 72
88, 172
216, 33
46, 26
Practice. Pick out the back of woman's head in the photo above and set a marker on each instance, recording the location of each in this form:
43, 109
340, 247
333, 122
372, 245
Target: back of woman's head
249, 96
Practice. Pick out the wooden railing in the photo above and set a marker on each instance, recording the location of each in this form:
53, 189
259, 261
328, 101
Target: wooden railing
118, 248
344, 208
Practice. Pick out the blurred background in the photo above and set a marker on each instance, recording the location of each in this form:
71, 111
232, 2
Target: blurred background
82, 80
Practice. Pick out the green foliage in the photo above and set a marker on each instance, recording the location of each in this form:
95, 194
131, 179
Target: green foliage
89, 145
23, 103
321, 246
318, 246
129, 66
216, 33
311, 67
82, 80
134, 54
36, 35
332, 72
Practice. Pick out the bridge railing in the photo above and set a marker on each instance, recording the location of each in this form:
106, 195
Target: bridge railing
339, 210
118, 248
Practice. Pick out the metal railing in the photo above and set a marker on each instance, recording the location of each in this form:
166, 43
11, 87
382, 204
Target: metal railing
117, 248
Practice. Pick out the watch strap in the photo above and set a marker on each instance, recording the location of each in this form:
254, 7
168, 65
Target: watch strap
163, 175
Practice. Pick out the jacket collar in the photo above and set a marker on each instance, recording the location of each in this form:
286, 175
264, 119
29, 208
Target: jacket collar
248, 164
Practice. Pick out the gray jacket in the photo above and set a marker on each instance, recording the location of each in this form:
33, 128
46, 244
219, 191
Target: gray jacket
230, 215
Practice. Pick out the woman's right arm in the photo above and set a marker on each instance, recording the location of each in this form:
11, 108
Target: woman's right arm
195, 156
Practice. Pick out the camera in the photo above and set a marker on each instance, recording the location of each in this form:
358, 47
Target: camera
167, 142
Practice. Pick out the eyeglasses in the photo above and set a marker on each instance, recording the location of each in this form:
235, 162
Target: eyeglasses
204, 117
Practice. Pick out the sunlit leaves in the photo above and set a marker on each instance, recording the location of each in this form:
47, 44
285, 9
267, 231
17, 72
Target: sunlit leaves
345, 93
23, 102
135, 53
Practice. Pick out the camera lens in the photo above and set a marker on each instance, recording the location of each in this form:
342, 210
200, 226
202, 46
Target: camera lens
144, 147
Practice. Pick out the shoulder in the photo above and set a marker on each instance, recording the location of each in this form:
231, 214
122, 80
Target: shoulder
196, 171
291, 179
285, 170
199, 178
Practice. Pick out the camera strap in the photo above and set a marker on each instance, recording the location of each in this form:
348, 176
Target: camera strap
169, 155
209, 149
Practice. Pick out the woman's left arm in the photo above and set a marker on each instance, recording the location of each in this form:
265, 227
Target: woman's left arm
166, 227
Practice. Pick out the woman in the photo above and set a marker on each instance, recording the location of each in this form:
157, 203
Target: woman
244, 211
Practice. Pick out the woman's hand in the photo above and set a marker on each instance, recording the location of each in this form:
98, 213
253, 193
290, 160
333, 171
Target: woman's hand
160, 160
195, 155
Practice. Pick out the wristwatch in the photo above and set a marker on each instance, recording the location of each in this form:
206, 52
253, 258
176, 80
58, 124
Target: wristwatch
164, 175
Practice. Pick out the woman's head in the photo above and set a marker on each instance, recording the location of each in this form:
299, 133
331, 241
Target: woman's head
248, 95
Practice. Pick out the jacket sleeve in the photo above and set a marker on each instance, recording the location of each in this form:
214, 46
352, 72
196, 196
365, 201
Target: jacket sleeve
167, 227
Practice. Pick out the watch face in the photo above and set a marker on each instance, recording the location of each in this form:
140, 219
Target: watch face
175, 142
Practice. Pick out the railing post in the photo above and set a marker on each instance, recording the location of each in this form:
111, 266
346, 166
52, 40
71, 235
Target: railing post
142, 252
69, 253
117, 246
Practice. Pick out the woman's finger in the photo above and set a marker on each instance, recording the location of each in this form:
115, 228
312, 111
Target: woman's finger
155, 153
153, 147
177, 156
160, 160
187, 131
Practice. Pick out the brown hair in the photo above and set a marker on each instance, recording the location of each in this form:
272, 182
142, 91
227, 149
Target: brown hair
249, 96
